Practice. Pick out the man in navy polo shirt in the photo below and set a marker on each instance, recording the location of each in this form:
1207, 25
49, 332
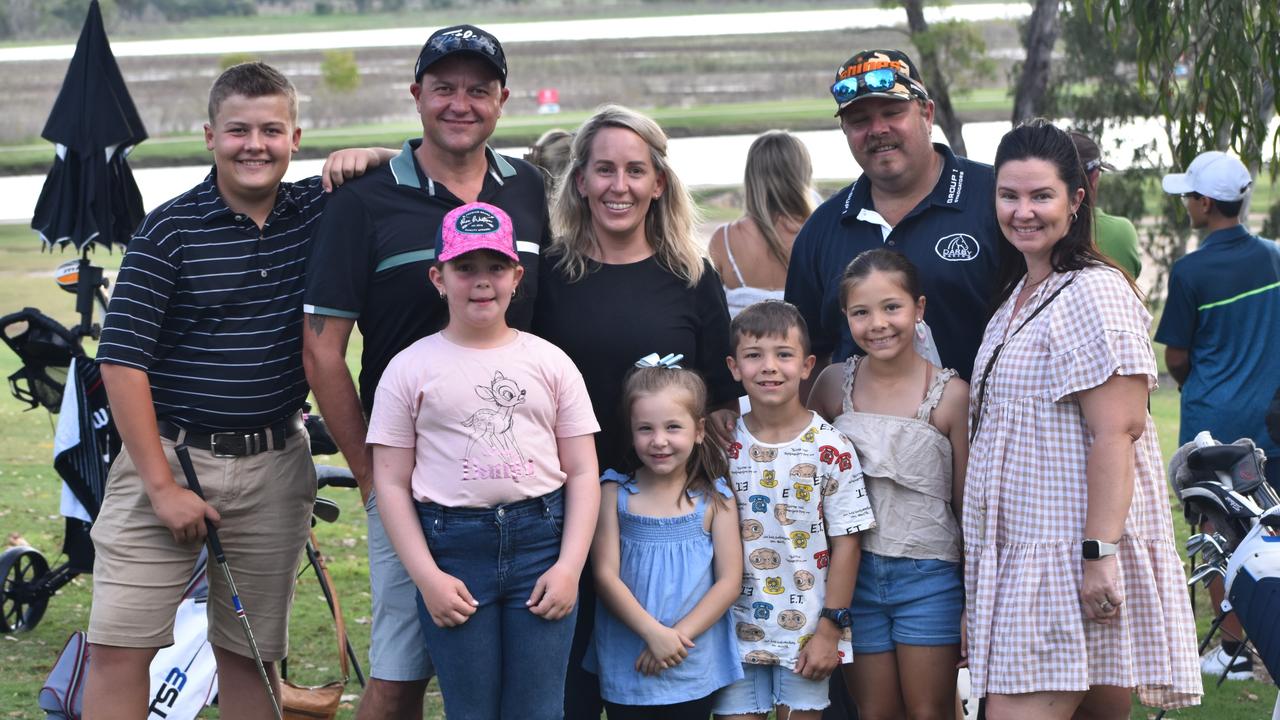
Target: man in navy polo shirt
1221, 323
915, 197
1221, 331
373, 248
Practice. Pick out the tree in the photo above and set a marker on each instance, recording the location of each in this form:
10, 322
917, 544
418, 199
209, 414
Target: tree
340, 71
1038, 37
946, 52
1230, 51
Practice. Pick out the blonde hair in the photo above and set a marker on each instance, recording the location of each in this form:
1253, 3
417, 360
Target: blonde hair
776, 185
669, 224
551, 155
707, 462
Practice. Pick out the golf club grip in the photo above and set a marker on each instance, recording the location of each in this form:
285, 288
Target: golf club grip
188, 470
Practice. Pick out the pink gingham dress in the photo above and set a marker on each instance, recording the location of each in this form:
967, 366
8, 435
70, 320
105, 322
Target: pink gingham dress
1025, 503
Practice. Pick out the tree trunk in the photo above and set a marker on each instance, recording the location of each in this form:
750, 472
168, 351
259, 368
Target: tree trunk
1033, 81
931, 71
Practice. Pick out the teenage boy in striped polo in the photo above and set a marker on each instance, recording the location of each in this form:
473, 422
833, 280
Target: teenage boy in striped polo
202, 345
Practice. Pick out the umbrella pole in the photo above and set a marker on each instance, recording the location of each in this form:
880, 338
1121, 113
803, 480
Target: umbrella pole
87, 283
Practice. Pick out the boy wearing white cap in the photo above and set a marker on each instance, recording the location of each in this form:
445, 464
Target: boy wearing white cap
1221, 326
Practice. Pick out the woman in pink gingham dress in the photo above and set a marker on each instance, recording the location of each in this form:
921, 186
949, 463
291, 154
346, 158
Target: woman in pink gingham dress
1065, 452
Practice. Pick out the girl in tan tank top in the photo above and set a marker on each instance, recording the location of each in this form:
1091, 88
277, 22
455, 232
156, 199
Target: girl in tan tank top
907, 420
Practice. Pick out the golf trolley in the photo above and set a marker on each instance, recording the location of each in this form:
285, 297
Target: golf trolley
58, 375
1225, 486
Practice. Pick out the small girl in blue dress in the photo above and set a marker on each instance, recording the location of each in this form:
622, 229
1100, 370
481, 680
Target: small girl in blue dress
667, 557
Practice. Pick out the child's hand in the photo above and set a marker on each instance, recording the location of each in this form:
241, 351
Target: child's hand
666, 648
448, 601
818, 657
555, 593
183, 512
721, 424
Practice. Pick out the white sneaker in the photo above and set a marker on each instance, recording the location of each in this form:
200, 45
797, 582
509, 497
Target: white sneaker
1214, 663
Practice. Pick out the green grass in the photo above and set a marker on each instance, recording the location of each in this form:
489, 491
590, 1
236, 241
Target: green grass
29, 507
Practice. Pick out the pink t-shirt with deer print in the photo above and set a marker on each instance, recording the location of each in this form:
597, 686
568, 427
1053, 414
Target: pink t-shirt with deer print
483, 422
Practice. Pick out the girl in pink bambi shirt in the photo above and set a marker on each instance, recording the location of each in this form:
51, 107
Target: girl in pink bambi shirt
485, 469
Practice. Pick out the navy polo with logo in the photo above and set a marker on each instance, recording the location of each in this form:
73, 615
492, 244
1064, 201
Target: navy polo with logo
1224, 309
951, 237
377, 240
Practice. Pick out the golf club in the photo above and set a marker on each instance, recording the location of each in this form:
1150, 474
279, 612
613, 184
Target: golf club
215, 547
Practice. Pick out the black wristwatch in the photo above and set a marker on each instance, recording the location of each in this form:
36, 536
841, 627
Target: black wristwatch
840, 616
1096, 549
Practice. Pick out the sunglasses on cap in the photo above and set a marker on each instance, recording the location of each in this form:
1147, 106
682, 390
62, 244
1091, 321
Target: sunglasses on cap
874, 81
463, 41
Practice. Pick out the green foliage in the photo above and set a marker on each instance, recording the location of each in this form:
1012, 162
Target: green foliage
962, 53
1230, 50
1271, 223
340, 71
230, 59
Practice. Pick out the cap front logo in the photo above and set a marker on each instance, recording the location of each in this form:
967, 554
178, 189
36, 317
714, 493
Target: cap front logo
476, 222
957, 248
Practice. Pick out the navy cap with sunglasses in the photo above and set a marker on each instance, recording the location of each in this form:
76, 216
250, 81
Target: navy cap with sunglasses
877, 73
461, 39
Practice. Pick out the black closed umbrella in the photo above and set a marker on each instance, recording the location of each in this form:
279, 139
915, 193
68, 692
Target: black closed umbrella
90, 195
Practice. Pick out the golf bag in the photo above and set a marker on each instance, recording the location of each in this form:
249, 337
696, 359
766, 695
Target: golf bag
184, 676
1253, 588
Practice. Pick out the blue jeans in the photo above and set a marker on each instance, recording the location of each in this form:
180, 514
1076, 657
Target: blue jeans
504, 661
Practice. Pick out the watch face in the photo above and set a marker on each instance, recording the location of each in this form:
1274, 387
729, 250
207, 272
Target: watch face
1090, 549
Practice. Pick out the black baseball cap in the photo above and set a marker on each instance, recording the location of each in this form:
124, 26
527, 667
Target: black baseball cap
461, 39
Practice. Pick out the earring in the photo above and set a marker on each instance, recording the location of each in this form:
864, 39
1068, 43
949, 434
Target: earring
513, 294
441, 294
1073, 217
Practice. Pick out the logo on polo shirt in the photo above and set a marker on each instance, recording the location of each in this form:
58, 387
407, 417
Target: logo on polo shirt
957, 248
477, 222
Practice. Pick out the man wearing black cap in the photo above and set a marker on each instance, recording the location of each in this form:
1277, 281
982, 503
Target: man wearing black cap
915, 197
374, 245
1116, 237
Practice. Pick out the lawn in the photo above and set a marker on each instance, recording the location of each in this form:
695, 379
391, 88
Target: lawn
29, 508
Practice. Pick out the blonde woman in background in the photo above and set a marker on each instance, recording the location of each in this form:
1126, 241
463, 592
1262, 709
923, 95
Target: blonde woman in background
752, 252
551, 154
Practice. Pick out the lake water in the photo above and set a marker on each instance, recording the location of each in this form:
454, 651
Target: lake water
699, 161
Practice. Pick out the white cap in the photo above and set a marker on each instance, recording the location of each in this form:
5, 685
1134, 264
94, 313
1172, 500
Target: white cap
1214, 175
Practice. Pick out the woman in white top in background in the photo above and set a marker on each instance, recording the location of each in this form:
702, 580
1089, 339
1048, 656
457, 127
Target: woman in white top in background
752, 252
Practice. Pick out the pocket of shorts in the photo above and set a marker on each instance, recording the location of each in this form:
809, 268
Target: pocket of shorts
933, 567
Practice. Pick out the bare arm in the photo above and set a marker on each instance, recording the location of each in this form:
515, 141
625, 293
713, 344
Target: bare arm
819, 657
132, 410
447, 599
342, 165
606, 559
324, 356
952, 415
1178, 360
556, 592
726, 544
1115, 413
825, 397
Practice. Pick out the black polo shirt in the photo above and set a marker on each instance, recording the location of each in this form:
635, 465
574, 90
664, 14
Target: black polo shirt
210, 307
377, 241
952, 238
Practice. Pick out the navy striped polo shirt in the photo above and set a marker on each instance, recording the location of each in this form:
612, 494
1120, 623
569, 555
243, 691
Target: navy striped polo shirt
210, 307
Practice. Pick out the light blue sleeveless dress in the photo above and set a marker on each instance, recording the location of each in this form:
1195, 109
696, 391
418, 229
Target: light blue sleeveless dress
667, 564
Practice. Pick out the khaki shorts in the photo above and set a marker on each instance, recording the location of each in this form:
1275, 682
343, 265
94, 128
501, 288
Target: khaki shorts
265, 501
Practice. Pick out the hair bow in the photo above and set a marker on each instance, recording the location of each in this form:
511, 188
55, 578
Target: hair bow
670, 361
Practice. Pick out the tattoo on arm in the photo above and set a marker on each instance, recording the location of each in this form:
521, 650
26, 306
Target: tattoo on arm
316, 322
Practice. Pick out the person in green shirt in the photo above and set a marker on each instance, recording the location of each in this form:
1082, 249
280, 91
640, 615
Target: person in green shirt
1115, 236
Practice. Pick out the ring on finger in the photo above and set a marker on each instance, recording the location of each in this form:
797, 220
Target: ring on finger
1106, 606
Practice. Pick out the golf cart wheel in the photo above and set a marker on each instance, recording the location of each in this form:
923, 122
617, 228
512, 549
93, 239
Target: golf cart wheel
20, 609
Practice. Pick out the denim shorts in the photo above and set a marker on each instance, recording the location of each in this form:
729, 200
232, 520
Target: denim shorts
766, 686
504, 661
904, 601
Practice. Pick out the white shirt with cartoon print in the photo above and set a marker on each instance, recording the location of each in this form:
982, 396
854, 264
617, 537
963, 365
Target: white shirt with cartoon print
790, 497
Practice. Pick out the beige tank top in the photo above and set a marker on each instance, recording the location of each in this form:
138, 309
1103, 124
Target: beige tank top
907, 465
